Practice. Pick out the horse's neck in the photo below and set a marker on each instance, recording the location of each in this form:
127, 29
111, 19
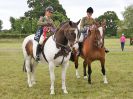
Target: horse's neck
92, 38
60, 38
92, 41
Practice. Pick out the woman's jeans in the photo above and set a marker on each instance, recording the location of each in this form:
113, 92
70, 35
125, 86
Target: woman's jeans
122, 45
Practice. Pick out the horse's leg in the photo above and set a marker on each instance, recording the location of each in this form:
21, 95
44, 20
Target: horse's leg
89, 73
64, 68
76, 66
33, 72
52, 77
28, 69
84, 70
103, 71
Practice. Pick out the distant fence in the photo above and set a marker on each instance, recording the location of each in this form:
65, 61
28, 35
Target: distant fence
13, 35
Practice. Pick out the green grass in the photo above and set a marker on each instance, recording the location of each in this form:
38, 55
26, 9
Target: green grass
119, 69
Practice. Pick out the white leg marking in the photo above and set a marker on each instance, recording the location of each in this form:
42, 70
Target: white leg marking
85, 77
77, 74
52, 77
27, 63
33, 73
64, 68
105, 79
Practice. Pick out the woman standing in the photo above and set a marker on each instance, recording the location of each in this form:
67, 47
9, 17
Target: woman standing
122, 40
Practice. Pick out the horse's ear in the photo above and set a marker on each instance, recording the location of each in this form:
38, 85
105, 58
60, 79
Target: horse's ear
78, 22
70, 23
97, 23
103, 22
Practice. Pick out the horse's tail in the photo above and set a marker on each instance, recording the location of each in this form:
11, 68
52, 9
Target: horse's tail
27, 52
24, 68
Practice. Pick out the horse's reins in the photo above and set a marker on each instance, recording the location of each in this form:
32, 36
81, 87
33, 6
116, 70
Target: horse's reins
98, 41
60, 45
66, 47
58, 42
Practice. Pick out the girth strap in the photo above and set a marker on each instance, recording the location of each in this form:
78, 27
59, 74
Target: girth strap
62, 60
43, 50
44, 56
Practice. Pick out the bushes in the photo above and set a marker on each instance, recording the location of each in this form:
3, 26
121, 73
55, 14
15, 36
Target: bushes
7, 35
12, 34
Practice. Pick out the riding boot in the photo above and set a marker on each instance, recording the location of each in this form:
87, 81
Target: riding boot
80, 48
38, 50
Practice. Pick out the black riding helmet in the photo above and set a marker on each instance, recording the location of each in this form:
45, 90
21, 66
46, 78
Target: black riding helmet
90, 10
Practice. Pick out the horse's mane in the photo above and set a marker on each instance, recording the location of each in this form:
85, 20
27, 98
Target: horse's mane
93, 30
63, 23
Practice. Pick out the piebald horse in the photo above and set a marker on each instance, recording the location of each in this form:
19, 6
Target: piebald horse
92, 49
56, 51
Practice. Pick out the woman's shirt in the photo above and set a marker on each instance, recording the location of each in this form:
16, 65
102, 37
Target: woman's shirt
45, 21
122, 39
86, 22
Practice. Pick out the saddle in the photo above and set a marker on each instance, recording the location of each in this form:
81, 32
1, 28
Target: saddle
63, 51
42, 46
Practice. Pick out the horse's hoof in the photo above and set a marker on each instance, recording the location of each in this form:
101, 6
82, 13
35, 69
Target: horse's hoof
34, 83
85, 77
105, 82
52, 92
65, 91
78, 76
30, 85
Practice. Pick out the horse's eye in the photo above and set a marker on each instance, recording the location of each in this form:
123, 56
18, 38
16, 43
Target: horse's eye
72, 33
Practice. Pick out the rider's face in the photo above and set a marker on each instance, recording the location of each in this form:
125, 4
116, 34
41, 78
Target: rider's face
48, 13
89, 14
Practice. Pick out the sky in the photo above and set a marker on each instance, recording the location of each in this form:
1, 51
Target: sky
75, 9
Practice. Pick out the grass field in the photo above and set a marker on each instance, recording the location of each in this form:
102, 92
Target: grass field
119, 69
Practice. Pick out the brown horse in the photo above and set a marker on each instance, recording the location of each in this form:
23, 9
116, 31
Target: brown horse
92, 49
131, 41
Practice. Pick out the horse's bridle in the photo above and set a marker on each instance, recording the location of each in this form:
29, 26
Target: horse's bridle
53, 36
98, 39
97, 42
64, 46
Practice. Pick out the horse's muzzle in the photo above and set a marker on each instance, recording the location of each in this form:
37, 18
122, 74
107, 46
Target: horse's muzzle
100, 44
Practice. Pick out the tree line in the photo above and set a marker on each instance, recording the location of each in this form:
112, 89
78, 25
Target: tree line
28, 23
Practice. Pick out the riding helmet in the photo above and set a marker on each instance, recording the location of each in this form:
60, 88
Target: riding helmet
50, 9
90, 10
